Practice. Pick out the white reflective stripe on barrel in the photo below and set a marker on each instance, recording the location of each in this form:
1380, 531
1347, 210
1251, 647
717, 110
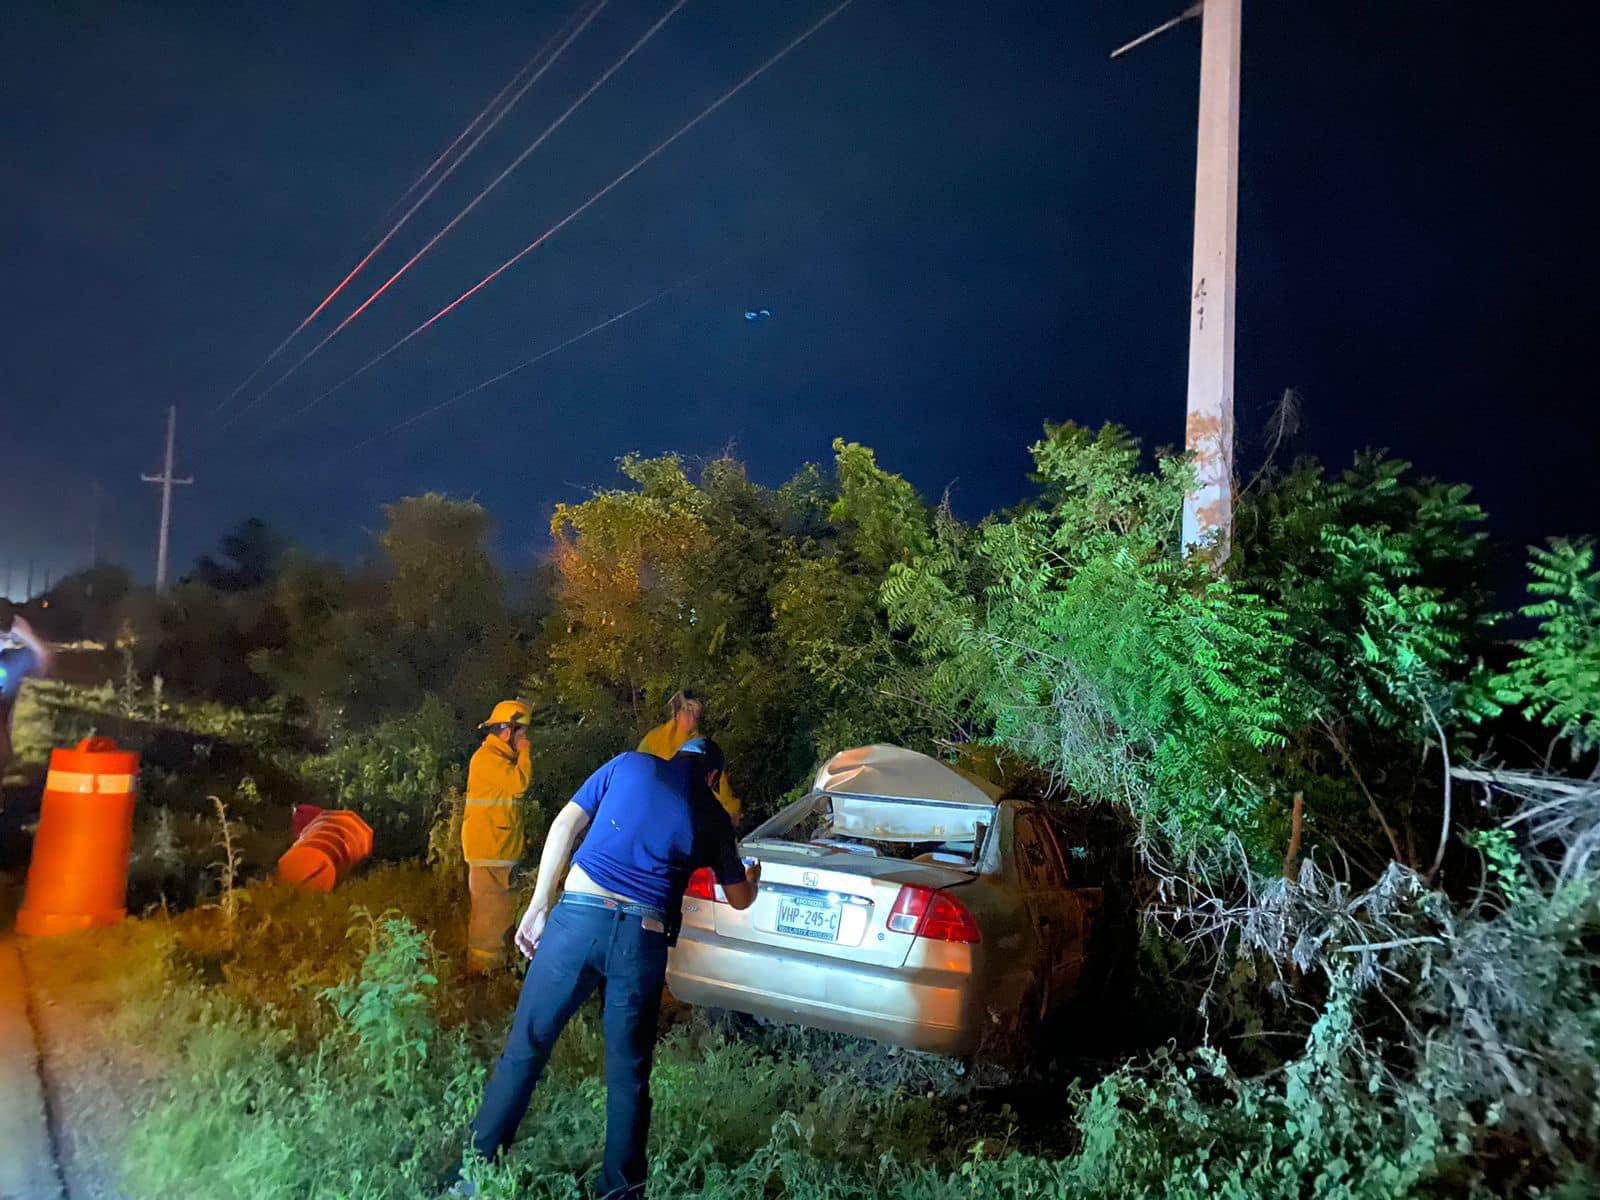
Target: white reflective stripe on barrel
86, 782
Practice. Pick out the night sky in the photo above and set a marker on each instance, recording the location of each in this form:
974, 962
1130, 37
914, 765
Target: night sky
964, 220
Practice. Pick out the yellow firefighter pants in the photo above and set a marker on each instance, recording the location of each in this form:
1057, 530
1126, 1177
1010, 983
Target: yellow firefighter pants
493, 912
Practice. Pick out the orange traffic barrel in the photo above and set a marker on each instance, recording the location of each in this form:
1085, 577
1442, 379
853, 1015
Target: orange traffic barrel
326, 851
302, 815
79, 874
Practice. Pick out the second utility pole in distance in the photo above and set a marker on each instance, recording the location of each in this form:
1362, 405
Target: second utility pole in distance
167, 483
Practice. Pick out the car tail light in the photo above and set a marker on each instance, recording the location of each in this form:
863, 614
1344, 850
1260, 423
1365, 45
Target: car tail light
703, 886
923, 912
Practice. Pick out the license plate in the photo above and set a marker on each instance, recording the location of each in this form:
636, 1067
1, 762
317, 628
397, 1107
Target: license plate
810, 918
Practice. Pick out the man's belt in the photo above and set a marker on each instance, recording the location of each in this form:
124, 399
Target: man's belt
590, 900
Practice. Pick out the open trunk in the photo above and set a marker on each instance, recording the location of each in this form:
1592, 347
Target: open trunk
834, 864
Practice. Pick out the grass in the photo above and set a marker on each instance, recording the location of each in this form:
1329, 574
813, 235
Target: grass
286, 1044
325, 1046
261, 1088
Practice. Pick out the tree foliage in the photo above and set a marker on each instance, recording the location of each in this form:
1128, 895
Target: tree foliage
1379, 577
762, 600
1556, 676
252, 555
1419, 974
430, 616
1073, 633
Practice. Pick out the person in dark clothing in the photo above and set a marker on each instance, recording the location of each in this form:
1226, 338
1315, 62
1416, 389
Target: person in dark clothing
645, 825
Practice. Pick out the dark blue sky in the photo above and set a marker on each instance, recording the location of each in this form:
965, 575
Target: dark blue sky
964, 220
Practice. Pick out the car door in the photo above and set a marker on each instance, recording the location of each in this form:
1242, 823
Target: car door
1043, 883
1073, 945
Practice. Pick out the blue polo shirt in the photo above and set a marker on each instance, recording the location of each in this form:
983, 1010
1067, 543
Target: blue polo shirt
651, 823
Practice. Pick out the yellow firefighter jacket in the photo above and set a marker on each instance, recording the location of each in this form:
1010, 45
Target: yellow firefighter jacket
664, 741
491, 830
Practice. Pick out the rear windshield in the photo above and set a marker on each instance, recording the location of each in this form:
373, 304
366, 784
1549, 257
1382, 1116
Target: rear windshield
903, 829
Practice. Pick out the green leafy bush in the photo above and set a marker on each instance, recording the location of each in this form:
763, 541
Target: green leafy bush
1073, 633
1331, 1128
396, 773
1410, 1039
1556, 676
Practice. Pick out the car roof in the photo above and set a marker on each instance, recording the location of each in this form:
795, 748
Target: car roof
896, 773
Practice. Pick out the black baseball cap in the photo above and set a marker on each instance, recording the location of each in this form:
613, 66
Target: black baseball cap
706, 749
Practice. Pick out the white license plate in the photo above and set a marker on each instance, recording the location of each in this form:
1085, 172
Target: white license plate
810, 918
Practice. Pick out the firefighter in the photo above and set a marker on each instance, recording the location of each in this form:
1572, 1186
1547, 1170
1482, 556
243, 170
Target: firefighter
683, 722
491, 830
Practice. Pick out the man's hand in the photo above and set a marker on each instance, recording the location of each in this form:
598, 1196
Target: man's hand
519, 739
531, 929
743, 895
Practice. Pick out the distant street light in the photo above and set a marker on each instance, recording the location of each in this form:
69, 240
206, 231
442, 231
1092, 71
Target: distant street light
1208, 431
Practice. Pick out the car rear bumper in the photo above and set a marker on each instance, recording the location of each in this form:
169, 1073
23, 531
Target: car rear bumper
921, 1007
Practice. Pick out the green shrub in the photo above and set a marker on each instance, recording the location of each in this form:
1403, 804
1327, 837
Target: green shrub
1073, 633
375, 1111
1556, 675
396, 774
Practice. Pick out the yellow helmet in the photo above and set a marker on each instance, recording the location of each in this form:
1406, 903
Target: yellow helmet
509, 712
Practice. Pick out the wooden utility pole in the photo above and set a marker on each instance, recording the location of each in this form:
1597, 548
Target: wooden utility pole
167, 482
1208, 430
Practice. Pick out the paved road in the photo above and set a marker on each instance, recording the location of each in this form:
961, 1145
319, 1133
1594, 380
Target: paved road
27, 1165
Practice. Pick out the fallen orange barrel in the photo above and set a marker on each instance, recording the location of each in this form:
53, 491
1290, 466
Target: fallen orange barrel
302, 815
79, 874
326, 850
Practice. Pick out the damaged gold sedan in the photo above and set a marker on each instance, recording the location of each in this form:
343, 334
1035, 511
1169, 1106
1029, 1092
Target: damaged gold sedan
900, 900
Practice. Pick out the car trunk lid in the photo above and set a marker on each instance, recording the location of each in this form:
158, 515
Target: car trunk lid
831, 902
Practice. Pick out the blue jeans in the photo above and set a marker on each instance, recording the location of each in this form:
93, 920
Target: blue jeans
582, 947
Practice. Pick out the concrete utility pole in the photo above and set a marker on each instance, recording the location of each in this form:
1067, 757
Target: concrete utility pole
167, 483
1208, 431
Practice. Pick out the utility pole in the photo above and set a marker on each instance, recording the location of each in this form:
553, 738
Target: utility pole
167, 482
94, 524
1208, 430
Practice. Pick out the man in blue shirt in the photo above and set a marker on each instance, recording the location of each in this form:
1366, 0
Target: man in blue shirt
649, 823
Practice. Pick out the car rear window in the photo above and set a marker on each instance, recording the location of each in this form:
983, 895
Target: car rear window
883, 828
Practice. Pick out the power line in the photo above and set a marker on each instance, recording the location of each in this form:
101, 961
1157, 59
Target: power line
662, 294
654, 152
488, 108
434, 187
474, 202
